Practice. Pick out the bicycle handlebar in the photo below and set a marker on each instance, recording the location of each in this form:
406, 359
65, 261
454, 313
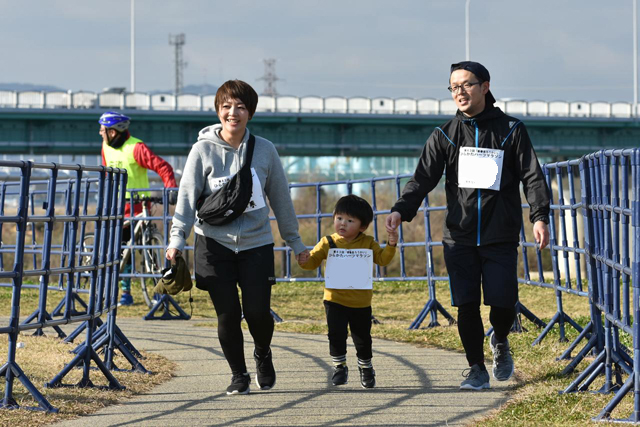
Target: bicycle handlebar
139, 199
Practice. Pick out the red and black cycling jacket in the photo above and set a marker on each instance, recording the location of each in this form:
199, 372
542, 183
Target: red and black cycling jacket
149, 160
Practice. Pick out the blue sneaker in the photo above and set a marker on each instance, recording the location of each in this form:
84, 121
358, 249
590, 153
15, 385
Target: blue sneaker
125, 299
502, 360
476, 378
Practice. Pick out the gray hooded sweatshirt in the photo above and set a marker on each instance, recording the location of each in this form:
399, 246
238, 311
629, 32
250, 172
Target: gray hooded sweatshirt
212, 158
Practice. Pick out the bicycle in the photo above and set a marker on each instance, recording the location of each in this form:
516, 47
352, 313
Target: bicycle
148, 240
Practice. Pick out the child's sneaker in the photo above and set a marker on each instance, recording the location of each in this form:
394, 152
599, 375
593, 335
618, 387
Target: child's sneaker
367, 377
239, 384
266, 375
476, 378
340, 375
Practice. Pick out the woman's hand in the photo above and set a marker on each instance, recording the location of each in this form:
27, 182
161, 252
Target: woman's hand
172, 253
303, 257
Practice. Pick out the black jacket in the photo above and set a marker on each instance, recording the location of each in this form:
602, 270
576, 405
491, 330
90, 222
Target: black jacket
479, 216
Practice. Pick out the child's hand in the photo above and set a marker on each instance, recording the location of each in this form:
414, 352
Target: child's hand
303, 257
393, 237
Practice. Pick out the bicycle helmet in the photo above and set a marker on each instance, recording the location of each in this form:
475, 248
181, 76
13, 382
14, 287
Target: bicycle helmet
115, 120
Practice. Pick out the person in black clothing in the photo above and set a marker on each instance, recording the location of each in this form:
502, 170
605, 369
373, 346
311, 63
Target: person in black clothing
485, 155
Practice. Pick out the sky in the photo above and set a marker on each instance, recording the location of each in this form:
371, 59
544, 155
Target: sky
574, 50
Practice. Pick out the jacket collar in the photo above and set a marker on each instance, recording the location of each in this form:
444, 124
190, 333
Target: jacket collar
489, 113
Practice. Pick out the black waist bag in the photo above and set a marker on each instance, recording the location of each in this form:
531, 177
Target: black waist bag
230, 201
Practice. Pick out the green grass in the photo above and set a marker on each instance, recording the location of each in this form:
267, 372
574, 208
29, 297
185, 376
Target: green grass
534, 397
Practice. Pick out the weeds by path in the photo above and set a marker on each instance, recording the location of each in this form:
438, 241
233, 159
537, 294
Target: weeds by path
42, 358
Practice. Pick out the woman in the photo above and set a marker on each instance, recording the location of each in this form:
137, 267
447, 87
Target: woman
240, 252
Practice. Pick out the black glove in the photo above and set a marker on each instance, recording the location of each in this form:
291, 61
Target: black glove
172, 197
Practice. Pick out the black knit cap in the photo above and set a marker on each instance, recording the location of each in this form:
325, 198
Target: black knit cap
479, 71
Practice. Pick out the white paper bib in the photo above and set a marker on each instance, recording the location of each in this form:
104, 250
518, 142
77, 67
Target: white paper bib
257, 199
480, 168
349, 269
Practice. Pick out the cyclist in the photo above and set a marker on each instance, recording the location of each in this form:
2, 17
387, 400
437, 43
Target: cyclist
121, 150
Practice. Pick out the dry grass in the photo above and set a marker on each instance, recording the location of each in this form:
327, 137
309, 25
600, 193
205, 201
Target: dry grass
72, 402
534, 397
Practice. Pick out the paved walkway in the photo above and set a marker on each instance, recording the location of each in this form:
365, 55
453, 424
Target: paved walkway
415, 386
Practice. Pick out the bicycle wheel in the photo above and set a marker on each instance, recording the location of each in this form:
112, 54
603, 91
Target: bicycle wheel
153, 262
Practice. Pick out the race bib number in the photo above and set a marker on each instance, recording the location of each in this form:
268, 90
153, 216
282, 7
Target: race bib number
257, 198
349, 269
480, 168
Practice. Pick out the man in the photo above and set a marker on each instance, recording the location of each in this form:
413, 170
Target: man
121, 150
486, 155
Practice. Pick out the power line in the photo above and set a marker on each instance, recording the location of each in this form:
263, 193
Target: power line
178, 41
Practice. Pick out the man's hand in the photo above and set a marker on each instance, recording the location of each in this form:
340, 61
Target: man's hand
303, 257
171, 254
392, 223
541, 234
172, 197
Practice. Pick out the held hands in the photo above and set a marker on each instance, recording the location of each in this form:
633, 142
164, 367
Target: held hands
392, 223
303, 257
541, 234
392, 240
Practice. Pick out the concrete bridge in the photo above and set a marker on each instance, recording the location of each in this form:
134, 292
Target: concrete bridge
75, 131
65, 123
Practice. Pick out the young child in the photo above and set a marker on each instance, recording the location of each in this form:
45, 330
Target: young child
351, 217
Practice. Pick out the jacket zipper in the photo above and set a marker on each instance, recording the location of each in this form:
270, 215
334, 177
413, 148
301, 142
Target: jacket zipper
237, 153
475, 124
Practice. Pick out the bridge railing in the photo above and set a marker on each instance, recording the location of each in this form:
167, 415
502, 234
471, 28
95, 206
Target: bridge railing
306, 104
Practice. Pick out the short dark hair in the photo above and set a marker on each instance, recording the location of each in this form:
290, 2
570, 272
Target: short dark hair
355, 206
237, 89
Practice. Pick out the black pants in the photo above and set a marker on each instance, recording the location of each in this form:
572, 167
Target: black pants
359, 322
492, 271
219, 271
471, 329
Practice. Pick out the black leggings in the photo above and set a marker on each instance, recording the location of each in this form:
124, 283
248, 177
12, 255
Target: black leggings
471, 329
220, 270
256, 303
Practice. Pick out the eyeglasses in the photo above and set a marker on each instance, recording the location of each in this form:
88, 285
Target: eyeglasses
466, 86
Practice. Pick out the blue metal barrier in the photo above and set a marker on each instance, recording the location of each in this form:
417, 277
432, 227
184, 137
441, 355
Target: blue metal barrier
102, 266
593, 253
612, 236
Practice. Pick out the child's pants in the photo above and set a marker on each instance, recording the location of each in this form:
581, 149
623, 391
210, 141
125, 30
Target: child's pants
359, 322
